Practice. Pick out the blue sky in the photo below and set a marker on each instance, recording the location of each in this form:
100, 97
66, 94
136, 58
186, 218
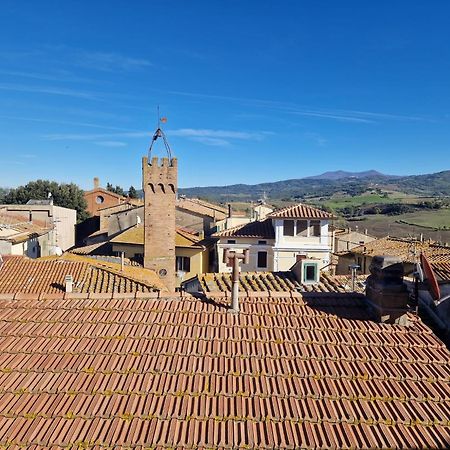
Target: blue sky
254, 91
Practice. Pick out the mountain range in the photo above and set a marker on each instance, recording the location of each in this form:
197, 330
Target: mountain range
327, 184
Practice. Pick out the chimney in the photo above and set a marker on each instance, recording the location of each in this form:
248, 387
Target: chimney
96, 183
232, 259
68, 283
386, 293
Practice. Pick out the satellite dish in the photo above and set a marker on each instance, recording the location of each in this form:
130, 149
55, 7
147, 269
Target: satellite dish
433, 285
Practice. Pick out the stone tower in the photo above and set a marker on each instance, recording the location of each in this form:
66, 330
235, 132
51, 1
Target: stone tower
159, 178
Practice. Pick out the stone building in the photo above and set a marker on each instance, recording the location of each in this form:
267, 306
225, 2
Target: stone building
159, 179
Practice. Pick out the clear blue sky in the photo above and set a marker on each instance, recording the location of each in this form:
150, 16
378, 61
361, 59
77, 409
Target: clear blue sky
253, 91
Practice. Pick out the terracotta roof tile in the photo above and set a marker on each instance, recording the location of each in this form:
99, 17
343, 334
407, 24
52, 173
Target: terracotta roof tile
278, 282
203, 208
135, 235
442, 269
301, 211
16, 229
48, 276
256, 229
406, 249
183, 373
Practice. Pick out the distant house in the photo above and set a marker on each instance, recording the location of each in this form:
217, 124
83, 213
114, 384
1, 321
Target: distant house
198, 215
408, 250
100, 198
191, 252
279, 241
347, 239
61, 219
26, 238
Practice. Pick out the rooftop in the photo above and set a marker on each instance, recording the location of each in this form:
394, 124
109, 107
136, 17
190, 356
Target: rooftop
300, 211
202, 207
442, 270
255, 229
16, 229
182, 373
406, 249
47, 276
135, 235
278, 282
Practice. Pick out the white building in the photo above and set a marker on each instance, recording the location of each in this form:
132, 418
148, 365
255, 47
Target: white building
24, 238
278, 242
61, 219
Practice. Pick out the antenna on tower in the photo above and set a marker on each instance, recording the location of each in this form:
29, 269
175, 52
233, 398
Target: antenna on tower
159, 133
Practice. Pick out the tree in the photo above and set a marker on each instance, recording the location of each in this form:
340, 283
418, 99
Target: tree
68, 195
117, 190
132, 193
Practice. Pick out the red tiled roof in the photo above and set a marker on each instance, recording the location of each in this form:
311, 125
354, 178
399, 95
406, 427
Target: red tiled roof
278, 282
256, 229
442, 269
43, 276
19, 229
406, 249
181, 373
301, 211
203, 208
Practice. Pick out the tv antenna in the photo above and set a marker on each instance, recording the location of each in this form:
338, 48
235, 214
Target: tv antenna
159, 133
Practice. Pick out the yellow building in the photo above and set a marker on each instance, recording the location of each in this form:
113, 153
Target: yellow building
192, 253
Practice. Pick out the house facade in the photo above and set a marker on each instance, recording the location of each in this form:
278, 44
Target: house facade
61, 220
278, 242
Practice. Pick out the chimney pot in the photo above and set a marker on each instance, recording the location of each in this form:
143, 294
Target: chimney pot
68, 283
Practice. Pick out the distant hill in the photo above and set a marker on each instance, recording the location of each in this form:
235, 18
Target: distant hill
436, 184
340, 174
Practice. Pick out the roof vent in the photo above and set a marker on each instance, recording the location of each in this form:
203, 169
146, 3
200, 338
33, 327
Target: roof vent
68, 283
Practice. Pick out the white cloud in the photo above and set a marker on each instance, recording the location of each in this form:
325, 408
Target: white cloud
109, 61
215, 142
321, 113
112, 143
46, 90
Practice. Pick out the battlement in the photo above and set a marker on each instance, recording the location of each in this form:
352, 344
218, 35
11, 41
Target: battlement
160, 171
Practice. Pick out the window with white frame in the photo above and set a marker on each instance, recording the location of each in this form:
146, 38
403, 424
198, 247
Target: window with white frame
183, 263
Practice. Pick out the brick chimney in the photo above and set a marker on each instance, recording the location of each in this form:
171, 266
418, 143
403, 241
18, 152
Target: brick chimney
386, 293
96, 182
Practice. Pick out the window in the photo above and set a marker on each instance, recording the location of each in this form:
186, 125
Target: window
315, 227
288, 228
262, 260
310, 273
231, 241
183, 263
262, 242
99, 199
302, 228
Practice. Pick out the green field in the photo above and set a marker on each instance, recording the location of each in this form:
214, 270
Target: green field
436, 219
